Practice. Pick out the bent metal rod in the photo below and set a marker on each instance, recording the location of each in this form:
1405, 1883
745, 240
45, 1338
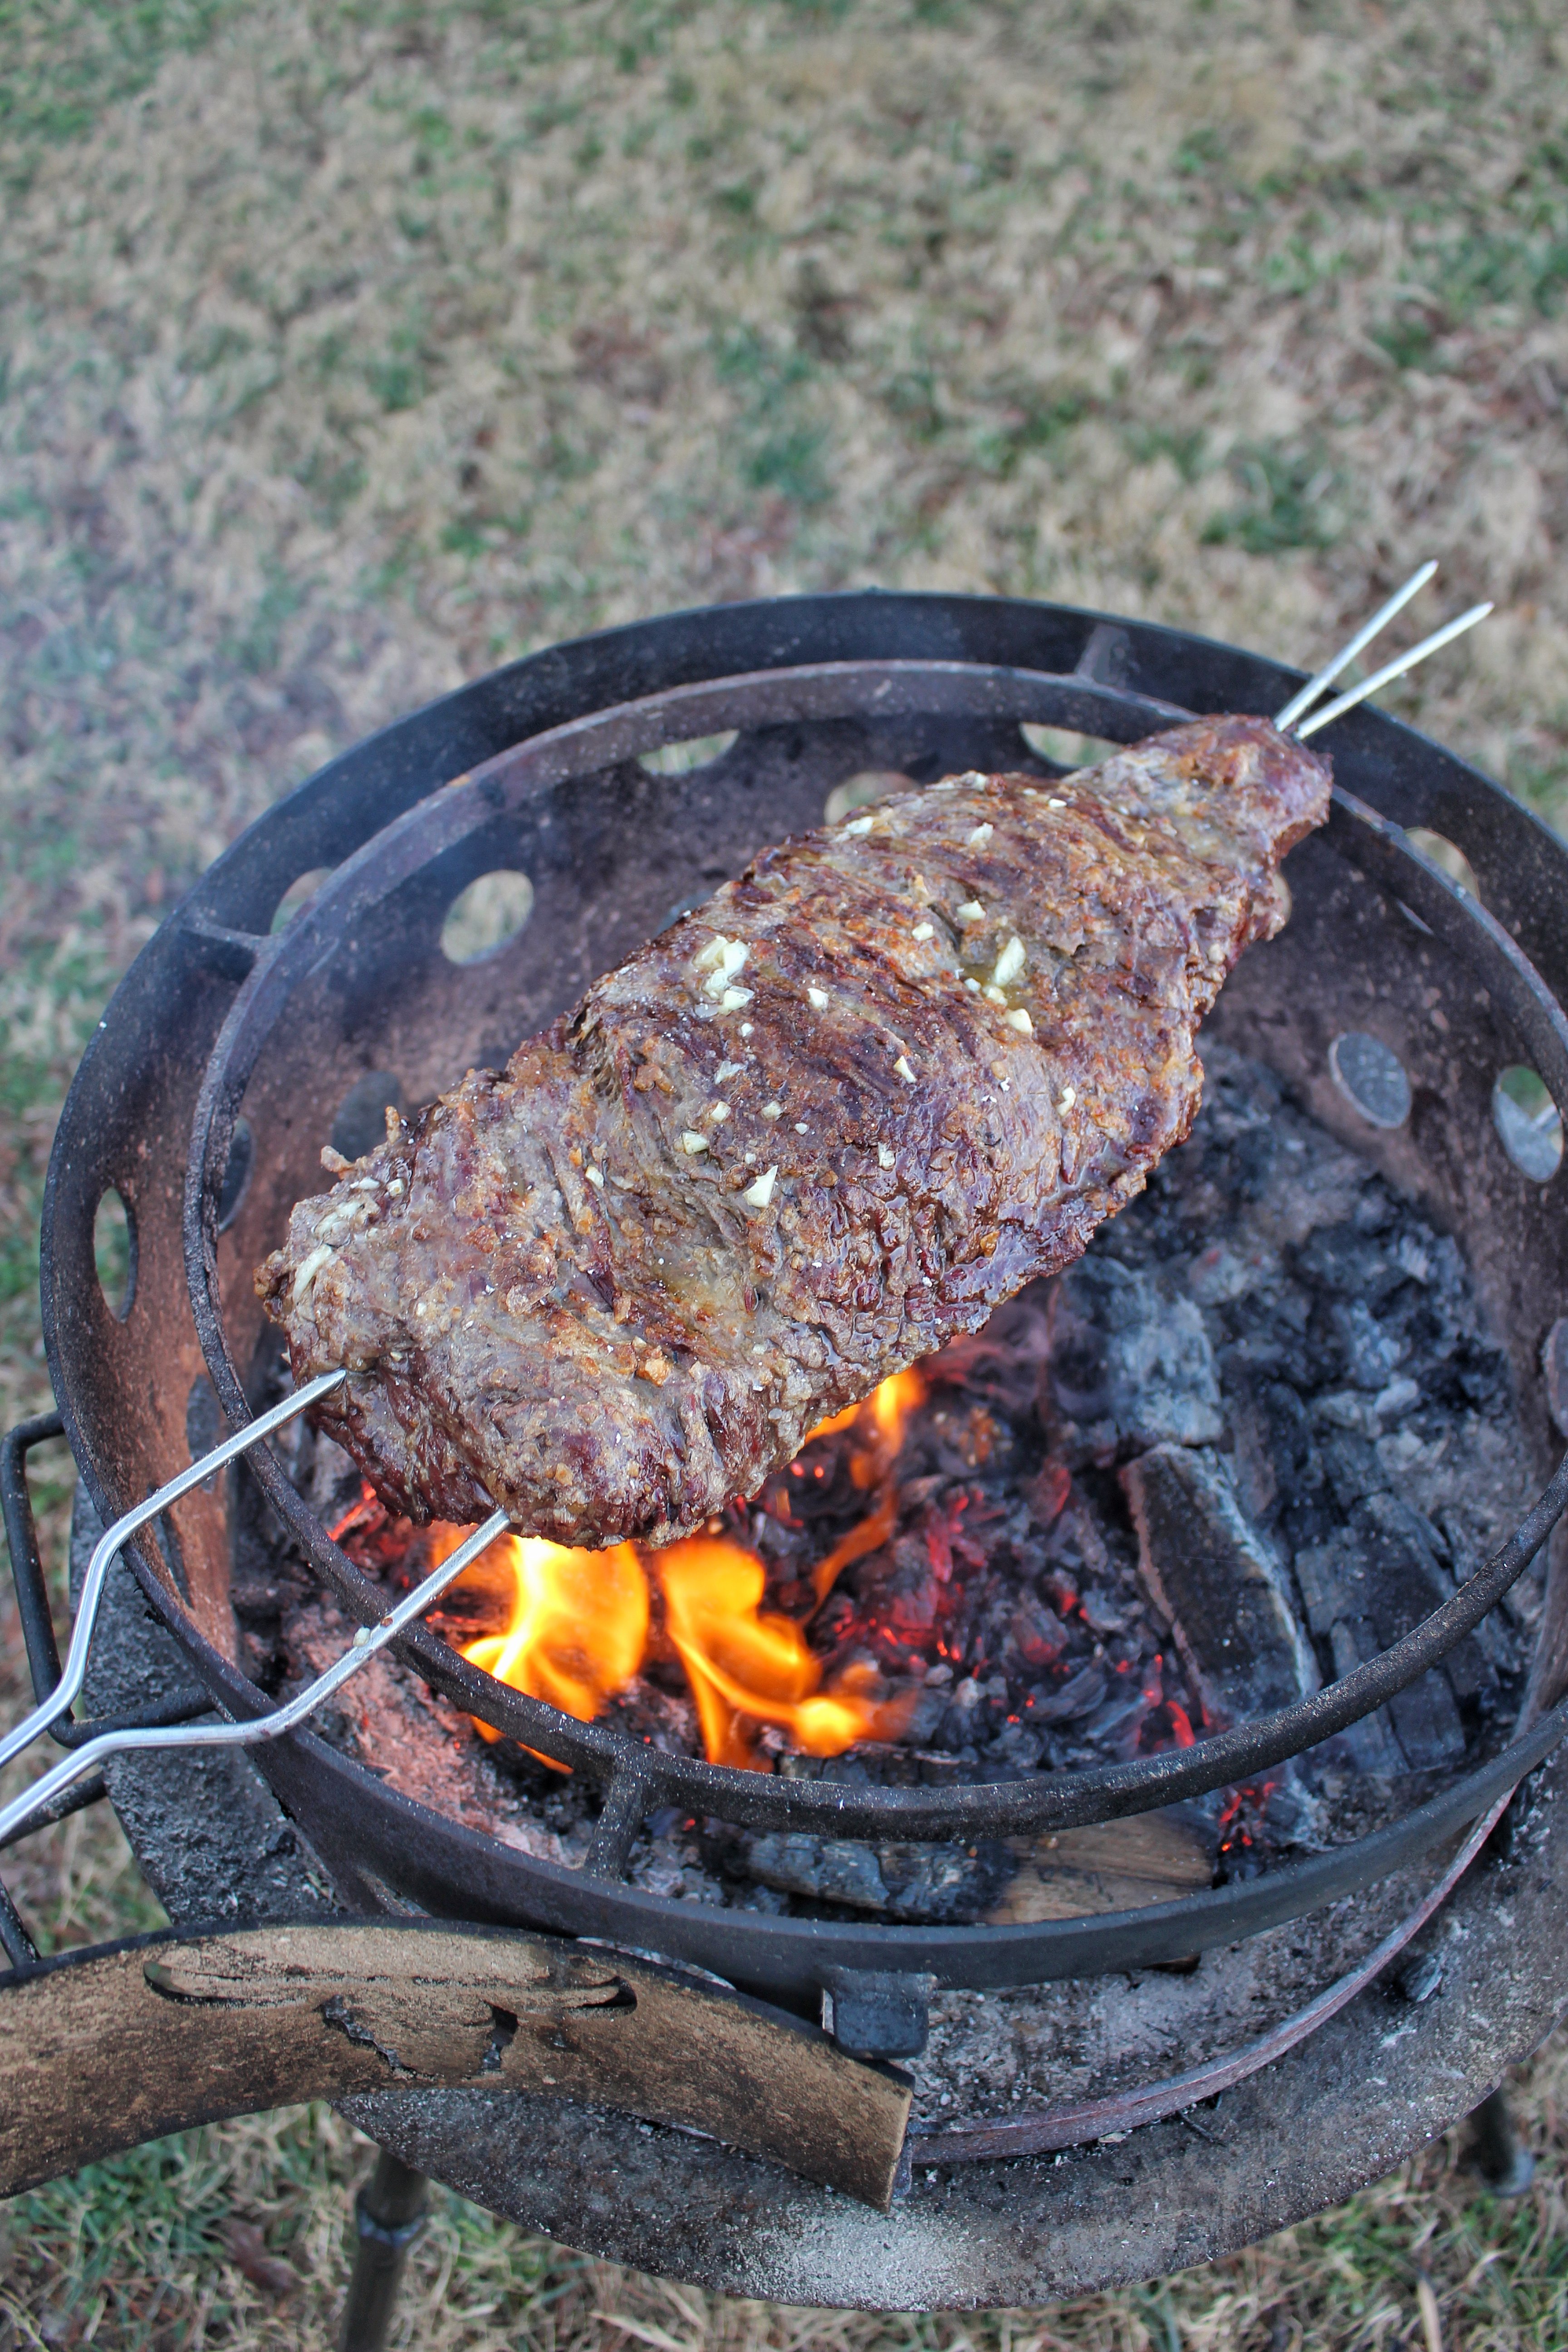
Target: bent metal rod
368, 1640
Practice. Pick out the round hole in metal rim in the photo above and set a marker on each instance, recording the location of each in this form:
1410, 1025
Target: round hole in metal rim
696, 751
1445, 855
1370, 1076
1063, 747
236, 1175
1528, 1121
114, 1253
299, 893
360, 1121
864, 791
488, 915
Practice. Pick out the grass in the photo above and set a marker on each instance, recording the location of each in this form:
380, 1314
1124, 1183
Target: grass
238, 2236
347, 352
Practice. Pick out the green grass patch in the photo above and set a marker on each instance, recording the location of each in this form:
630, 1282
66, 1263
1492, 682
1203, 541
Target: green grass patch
64, 62
1291, 499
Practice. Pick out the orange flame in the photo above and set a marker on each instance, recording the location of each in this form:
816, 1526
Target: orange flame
886, 1410
578, 1623
746, 1667
578, 1626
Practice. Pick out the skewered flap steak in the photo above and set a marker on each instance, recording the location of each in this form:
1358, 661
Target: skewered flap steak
875, 1086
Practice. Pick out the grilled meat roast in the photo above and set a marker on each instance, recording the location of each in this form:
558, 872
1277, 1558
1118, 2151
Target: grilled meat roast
897, 1069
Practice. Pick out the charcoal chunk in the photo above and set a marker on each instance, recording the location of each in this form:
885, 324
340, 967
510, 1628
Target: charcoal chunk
1129, 1364
1348, 1264
1367, 1351
939, 1883
1370, 1742
1219, 1582
1274, 1460
1038, 1633
1427, 1723
1077, 1698
1371, 1584
833, 1870
1351, 1467
905, 1879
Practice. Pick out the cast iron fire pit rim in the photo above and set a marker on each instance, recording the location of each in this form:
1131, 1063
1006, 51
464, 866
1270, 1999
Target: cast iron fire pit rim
790, 1959
336, 812
407, 843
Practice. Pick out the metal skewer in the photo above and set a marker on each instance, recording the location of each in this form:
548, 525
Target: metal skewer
366, 1641
72, 1675
1303, 701
1395, 668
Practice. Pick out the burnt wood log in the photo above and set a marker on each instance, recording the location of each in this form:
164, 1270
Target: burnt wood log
1217, 1584
104, 2049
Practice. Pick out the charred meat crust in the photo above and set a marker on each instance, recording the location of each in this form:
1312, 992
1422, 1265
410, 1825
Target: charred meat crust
879, 1082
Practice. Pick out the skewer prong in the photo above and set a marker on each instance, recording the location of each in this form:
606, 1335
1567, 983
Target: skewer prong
69, 1688
1391, 670
365, 1646
1303, 701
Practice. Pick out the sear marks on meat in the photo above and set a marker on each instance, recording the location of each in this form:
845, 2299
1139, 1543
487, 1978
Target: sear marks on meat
892, 1074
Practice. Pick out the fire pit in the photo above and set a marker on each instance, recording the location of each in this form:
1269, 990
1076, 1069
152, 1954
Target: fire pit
1316, 1345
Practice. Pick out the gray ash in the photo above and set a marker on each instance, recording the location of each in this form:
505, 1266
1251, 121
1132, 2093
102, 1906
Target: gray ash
1251, 1438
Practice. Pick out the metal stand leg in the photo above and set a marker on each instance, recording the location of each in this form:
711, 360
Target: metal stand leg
1495, 2154
391, 2212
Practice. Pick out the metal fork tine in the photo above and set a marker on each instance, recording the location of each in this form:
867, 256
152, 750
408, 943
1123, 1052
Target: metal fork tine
1396, 668
365, 1644
1309, 694
68, 1687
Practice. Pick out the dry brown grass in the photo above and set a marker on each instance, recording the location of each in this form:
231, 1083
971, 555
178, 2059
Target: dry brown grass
348, 351
139, 2255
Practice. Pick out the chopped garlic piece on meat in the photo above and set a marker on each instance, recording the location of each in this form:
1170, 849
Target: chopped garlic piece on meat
885, 1158
720, 960
760, 1193
733, 998
595, 1176
718, 1112
818, 998
972, 911
1010, 963
995, 994
1054, 804
772, 1110
1068, 1097
861, 825
902, 1066
691, 1141
727, 1070
973, 986
307, 1269
981, 836
925, 931
1019, 1020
